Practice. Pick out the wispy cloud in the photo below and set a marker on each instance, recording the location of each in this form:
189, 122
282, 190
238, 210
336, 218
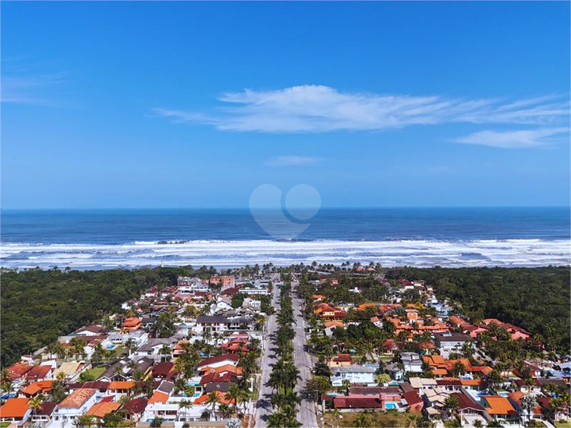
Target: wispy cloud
312, 108
515, 139
25, 84
293, 161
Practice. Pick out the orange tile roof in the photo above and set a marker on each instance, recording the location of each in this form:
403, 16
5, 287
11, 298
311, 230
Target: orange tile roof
498, 405
103, 408
439, 372
159, 397
225, 368
123, 384
204, 398
77, 398
328, 324
364, 306
471, 382
14, 408
131, 322
31, 389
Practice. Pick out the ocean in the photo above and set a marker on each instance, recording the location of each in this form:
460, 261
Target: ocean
451, 237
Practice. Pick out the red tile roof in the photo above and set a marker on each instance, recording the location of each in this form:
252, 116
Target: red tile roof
38, 372
77, 398
357, 403
219, 359
14, 408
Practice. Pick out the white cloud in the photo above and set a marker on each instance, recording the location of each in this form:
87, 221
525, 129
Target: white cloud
514, 139
293, 161
311, 108
30, 88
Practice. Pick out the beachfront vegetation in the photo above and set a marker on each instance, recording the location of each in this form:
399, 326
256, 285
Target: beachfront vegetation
40, 305
536, 299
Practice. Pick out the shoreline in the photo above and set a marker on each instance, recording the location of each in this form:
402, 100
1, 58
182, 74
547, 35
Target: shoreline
231, 254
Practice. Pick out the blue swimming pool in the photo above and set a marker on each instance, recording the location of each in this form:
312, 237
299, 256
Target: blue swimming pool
391, 406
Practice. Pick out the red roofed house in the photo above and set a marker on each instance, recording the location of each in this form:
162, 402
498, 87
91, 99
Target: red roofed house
131, 324
414, 401
37, 373
221, 360
353, 403
15, 409
341, 360
74, 405
18, 370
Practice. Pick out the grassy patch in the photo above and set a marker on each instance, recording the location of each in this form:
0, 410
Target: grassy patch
563, 424
96, 371
374, 419
4, 424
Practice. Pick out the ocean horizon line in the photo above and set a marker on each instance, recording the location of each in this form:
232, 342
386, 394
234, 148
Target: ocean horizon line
356, 208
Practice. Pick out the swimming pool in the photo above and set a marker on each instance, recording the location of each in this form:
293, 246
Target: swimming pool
391, 406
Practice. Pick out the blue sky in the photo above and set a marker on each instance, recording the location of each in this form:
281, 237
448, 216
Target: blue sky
187, 104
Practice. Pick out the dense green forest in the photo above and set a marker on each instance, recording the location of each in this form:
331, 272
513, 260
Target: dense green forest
38, 306
536, 299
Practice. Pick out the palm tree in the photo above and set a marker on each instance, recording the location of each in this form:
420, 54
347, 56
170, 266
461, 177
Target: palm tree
452, 403
225, 410
35, 403
165, 351
277, 420
131, 346
185, 404
213, 399
232, 395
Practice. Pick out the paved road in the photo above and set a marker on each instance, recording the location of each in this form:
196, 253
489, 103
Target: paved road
263, 406
304, 363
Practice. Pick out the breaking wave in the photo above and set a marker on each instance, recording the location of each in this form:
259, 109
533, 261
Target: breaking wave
225, 254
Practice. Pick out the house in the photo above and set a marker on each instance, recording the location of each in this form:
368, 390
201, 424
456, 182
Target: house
137, 337
74, 405
90, 330
15, 409
35, 388
355, 374
499, 407
131, 324
152, 349
468, 407
411, 362
219, 323
134, 409
356, 403
103, 408
43, 416
69, 369
163, 371
218, 361
120, 388
341, 360
18, 370
121, 370
37, 373
450, 342
226, 281
414, 402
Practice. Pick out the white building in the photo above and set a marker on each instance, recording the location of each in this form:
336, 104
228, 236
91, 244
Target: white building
74, 405
355, 374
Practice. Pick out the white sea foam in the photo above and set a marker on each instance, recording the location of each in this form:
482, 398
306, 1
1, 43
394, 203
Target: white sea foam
421, 253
